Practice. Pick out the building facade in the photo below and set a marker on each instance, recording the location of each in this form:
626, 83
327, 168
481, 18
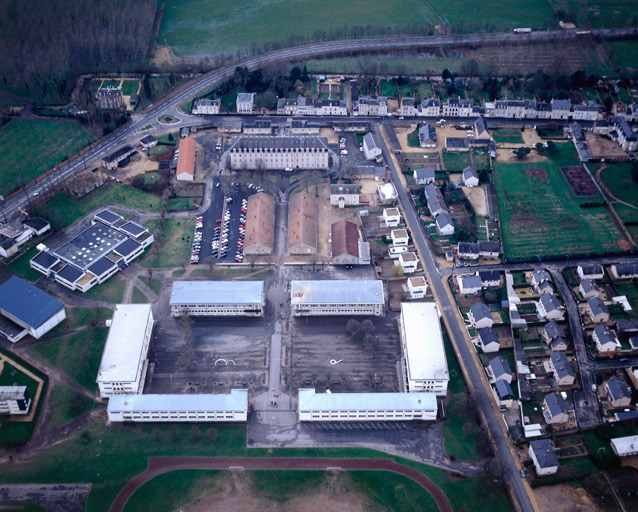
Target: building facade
337, 298
279, 153
217, 298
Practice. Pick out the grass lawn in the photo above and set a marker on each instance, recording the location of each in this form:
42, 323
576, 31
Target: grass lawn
110, 83
424, 90
626, 213
626, 53
507, 136
158, 150
456, 162
170, 139
388, 89
542, 217
66, 405
78, 317
138, 297
153, 284
17, 432
130, 87
413, 138
196, 28
617, 178
153, 177
174, 245
406, 90
23, 269
112, 455
481, 159
13, 376
112, 290
29, 147
178, 203
61, 210
78, 355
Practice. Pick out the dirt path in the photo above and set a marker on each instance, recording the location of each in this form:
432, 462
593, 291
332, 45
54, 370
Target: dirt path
160, 465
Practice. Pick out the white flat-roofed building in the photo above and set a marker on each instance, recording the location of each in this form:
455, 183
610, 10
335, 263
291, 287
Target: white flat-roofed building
423, 354
315, 406
14, 400
217, 298
623, 446
391, 217
417, 287
399, 237
231, 407
337, 298
124, 363
409, 262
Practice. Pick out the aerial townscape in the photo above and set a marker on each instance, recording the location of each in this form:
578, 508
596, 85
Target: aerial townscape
308, 256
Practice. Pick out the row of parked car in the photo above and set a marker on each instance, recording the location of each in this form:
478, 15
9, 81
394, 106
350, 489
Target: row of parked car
239, 253
197, 240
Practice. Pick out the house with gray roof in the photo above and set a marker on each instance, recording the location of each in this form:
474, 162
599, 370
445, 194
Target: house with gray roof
480, 316
606, 340
542, 454
618, 393
489, 340
371, 148
344, 194
555, 409
503, 394
436, 203
597, 310
424, 176
500, 369
549, 308
489, 249
490, 278
551, 330
427, 136
470, 177
480, 128
468, 251
624, 270
469, 285
626, 327
444, 225
625, 136
545, 287
590, 271
562, 369
245, 102
539, 275
559, 343
588, 289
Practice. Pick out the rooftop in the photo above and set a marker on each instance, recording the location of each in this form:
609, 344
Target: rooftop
310, 400
90, 245
280, 143
544, 453
26, 303
423, 340
337, 292
235, 401
217, 292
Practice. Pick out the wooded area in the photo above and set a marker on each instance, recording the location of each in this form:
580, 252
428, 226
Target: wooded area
45, 44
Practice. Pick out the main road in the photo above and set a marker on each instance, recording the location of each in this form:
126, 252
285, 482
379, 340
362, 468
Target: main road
511, 471
130, 132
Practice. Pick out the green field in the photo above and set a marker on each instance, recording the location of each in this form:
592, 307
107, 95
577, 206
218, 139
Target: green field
66, 405
109, 456
618, 180
23, 269
626, 53
112, 290
543, 218
61, 211
178, 203
507, 136
130, 87
197, 28
138, 297
413, 138
153, 284
456, 162
174, 245
30, 147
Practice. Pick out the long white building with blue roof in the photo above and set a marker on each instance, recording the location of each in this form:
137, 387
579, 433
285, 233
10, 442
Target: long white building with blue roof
26, 310
315, 406
217, 298
337, 298
231, 407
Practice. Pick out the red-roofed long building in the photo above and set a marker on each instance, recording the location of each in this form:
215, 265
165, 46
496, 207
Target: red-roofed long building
186, 160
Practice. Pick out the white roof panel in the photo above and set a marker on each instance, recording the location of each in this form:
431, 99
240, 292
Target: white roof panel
337, 292
309, 400
235, 401
625, 445
123, 348
424, 341
217, 292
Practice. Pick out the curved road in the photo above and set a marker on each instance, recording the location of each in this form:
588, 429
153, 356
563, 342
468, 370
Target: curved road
209, 80
160, 465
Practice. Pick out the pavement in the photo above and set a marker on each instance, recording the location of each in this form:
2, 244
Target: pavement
160, 465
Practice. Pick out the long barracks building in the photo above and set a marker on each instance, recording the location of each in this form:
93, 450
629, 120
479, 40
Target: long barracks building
278, 153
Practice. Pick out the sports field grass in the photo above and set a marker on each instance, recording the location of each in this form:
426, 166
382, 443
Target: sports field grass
196, 28
543, 218
30, 147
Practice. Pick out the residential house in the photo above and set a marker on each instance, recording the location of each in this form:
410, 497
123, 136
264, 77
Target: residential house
148, 142
618, 393
399, 237
606, 340
549, 308
588, 289
597, 310
417, 287
490, 250
625, 136
387, 193
408, 262
470, 177
545, 287
391, 217
364, 171
407, 107
424, 176
503, 394
245, 102
554, 335
371, 148
490, 278
590, 271
538, 276
427, 136
343, 195
555, 409
561, 109
489, 340
444, 224
110, 98
469, 285
500, 369
562, 369
434, 198
626, 327
542, 454
457, 144
431, 107
589, 112
111, 161
14, 400
480, 129
259, 127
205, 106
480, 316
624, 270
468, 251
